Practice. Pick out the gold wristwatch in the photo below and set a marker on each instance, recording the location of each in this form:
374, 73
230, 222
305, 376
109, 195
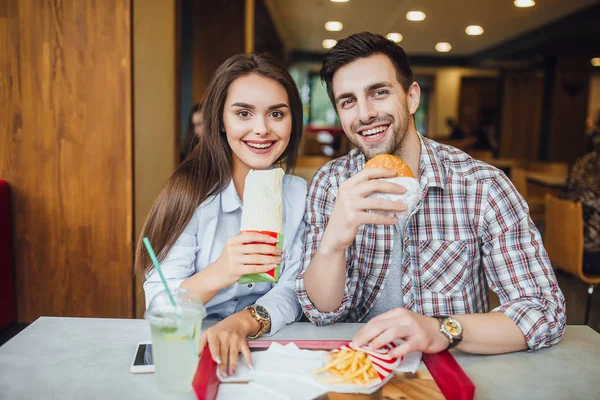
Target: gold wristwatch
452, 329
260, 314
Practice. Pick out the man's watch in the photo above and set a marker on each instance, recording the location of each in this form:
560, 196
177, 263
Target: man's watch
452, 329
260, 314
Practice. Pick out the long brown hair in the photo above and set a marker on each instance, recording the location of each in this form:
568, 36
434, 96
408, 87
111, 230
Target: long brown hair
208, 169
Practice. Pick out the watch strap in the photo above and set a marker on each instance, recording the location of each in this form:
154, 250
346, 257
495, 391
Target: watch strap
265, 324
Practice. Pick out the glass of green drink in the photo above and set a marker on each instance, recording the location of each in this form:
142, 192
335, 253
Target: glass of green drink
175, 334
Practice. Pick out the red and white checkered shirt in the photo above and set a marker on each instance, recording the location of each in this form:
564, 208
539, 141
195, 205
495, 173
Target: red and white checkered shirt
470, 229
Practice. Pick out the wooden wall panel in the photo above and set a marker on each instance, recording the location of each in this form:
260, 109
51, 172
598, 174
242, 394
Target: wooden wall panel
219, 33
266, 37
569, 109
477, 95
521, 115
156, 152
66, 150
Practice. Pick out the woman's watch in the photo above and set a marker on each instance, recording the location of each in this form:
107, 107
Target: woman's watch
452, 329
260, 314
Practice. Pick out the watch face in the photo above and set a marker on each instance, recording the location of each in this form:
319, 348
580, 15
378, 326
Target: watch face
262, 312
452, 327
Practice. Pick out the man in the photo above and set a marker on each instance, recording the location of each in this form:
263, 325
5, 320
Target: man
584, 187
592, 130
426, 282
454, 128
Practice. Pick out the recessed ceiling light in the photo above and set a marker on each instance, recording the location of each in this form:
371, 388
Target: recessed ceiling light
443, 47
339, 1
394, 37
334, 26
329, 43
524, 3
415, 15
596, 61
473, 30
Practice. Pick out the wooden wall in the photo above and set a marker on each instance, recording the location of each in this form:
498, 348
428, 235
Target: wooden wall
219, 33
156, 95
476, 94
571, 82
266, 37
521, 115
66, 150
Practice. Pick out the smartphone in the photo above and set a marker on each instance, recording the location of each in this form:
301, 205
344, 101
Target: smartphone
142, 362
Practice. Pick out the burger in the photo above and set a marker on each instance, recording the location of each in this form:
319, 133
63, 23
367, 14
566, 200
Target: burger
404, 177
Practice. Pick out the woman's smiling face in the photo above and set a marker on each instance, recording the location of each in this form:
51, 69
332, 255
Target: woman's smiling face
257, 121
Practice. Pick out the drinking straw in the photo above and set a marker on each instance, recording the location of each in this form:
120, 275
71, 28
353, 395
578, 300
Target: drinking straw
157, 266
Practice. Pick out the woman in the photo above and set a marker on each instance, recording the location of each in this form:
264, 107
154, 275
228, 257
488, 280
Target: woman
252, 120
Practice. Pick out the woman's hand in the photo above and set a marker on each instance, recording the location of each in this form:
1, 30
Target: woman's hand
246, 254
241, 255
227, 339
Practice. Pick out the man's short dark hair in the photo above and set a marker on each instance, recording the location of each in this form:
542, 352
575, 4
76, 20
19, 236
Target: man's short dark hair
362, 45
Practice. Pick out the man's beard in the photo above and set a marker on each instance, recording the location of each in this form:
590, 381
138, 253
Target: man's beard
392, 142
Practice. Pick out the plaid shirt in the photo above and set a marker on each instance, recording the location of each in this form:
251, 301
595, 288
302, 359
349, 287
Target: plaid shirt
470, 228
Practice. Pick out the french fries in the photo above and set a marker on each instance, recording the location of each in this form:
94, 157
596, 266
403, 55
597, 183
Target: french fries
349, 366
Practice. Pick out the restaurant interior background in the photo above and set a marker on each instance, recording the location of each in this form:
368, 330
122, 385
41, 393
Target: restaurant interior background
95, 98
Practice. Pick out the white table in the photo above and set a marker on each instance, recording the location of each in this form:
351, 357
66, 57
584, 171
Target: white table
79, 358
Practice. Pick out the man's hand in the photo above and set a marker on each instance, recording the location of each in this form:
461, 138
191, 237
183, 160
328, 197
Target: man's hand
352, 205
420, 333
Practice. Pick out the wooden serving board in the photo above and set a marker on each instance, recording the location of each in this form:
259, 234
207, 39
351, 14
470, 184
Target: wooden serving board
403, 386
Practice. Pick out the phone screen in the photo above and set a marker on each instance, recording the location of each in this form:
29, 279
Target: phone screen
144, 355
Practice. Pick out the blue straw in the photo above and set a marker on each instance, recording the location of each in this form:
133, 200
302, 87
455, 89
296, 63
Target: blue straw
157, 266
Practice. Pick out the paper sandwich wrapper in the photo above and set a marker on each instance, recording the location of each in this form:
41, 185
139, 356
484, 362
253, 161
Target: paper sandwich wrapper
263, 213
411, 197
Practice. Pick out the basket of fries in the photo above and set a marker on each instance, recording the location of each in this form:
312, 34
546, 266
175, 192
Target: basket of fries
351, 366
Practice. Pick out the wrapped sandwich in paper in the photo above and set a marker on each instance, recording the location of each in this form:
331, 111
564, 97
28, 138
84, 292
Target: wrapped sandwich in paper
404, 177
263, 213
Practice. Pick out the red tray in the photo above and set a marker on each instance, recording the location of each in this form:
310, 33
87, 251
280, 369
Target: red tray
447, 373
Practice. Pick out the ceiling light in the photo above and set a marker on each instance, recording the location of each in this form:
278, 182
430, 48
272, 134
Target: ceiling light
339, 1
415, 15
334, 26
473, 30
596, 61
524, 3
329, 43
443, 47
394, 37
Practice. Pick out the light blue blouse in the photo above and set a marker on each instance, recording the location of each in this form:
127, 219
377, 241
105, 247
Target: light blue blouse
202, 241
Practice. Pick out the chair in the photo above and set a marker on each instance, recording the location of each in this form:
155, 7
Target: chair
564, 219
305, 173
312, 161
8, 311
518, 176
483, 155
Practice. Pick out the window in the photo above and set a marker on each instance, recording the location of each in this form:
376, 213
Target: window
321, 111
422, 114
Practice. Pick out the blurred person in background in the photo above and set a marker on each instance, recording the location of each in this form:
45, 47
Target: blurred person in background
583, 186
485, 131
592, 130
454, 129
194, 130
